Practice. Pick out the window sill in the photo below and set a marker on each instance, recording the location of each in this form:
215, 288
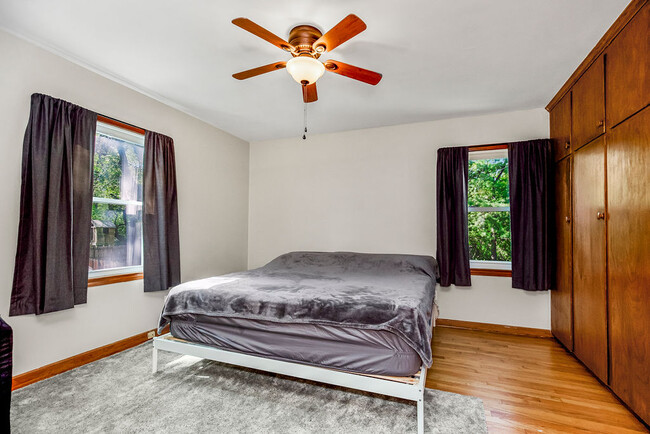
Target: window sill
116, 278
490, 268
490, 272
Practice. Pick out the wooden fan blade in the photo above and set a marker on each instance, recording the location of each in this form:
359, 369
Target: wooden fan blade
355, 72
349, 27
260, 31
309, 93
259, 70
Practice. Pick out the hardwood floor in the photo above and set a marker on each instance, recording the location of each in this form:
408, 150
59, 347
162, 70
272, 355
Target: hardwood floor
528, 385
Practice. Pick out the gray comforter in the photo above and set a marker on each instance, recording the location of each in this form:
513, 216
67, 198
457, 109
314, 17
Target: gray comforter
368, 291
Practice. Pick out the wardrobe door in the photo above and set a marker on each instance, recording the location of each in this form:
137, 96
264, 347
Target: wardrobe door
628, 69
589, 258
562, 293
560, 118
628, 180
588, 106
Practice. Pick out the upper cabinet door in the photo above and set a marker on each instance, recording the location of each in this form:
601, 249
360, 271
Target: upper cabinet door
560, 118
588, 112
628, 69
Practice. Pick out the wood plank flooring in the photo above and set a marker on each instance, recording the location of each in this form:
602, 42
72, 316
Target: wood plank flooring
528, 385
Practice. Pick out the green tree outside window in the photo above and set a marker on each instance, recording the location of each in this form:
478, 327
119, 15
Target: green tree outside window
489, 210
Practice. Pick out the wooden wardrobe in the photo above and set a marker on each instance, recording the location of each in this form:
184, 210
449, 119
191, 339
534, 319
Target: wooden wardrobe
600, 126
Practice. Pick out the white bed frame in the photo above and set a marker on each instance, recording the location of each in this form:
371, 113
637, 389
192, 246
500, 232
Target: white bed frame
410, 388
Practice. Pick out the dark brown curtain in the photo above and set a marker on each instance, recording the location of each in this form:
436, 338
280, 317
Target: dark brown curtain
530, 167
51, 271
162, 266
451, 199
6, 363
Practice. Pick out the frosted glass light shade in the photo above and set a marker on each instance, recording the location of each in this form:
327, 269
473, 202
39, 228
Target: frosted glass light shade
305, 68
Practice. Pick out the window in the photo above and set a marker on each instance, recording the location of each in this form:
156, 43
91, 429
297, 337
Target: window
489, 210
116, 225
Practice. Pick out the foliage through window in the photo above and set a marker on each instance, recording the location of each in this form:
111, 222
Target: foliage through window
116, 225
489, 206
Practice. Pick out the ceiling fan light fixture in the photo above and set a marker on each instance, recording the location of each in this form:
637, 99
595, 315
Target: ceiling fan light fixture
305, 69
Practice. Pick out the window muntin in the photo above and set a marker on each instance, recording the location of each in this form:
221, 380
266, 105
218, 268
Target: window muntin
116, 225
489, 210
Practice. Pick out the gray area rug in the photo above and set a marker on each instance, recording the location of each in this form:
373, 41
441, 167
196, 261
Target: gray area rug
119, 394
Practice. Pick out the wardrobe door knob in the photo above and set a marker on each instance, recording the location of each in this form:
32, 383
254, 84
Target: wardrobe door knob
567, 145
568, 219
600, 215
601, 124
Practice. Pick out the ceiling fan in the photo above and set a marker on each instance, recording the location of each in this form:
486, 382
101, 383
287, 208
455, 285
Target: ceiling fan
306, 44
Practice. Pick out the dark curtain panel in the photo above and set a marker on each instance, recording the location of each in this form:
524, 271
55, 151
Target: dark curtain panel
162, 266
530, 165
51, 271
451, 199
6, 363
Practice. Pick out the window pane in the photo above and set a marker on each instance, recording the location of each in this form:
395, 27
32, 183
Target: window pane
117, 169
489, 236
488, 183
116, 232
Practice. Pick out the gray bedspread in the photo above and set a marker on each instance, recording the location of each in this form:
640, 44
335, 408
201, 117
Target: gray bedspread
368, 291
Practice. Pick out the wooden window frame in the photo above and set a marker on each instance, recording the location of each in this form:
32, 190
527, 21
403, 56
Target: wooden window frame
489, 271
115, 278
129, 275
120, 124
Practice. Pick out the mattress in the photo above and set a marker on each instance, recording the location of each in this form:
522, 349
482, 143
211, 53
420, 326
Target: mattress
378, 352
319, 296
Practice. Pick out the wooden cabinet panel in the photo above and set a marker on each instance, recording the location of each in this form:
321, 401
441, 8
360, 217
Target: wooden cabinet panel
589, 258
560, 118
628, 69
562, 293
628, 179
588, 105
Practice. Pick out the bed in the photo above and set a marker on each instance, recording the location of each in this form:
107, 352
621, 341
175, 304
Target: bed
351, 319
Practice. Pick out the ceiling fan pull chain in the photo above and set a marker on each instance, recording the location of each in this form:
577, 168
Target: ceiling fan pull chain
304, 120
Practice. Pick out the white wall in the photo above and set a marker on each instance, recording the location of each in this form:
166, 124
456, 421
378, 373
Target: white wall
374, 190
212, 169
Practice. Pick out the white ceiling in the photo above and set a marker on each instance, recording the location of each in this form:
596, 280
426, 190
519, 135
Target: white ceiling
440, 58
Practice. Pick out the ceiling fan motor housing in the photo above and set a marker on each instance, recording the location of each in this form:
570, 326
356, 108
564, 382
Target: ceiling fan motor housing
302, 38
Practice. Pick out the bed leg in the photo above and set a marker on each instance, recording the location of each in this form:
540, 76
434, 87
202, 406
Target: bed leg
421, 411
421, 415
154, 361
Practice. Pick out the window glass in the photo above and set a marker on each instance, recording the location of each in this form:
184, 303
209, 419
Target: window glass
489, 236
489, 209
116, 236
117, 170
116, 225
